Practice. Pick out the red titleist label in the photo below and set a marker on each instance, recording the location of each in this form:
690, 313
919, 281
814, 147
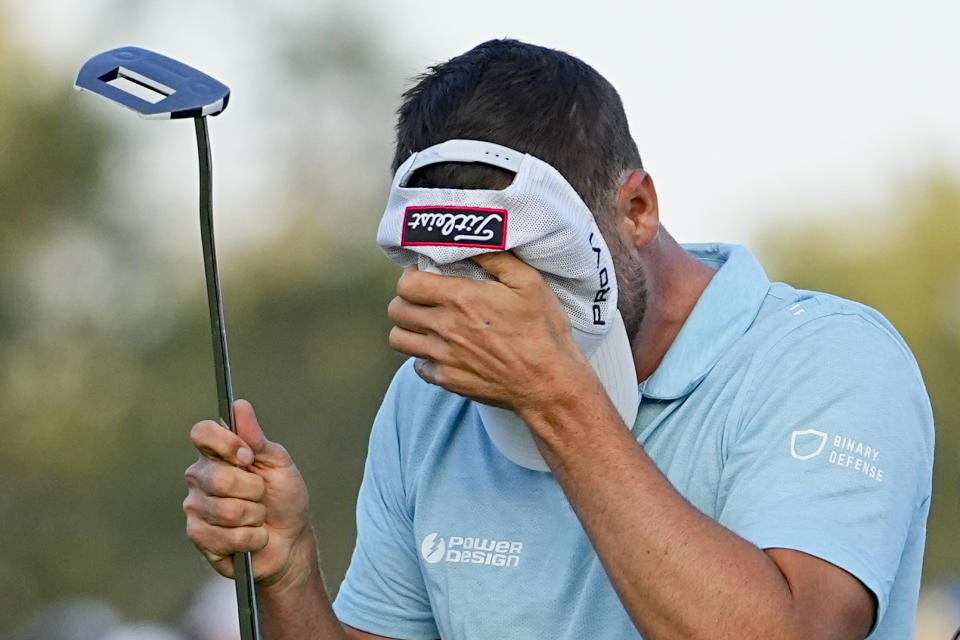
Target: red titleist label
455, 227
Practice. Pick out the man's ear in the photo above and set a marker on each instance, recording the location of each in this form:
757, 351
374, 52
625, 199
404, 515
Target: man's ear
637, 208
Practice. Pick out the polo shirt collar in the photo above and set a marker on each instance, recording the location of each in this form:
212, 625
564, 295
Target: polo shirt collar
724, 312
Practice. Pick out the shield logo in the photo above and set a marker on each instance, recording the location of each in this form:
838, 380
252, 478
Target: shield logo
807, 443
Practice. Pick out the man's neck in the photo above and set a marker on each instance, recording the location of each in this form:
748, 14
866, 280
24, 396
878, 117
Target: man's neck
675, 281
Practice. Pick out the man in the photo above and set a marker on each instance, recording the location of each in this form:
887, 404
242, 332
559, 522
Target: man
774, 484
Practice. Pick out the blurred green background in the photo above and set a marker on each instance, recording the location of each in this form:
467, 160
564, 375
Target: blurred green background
106, 361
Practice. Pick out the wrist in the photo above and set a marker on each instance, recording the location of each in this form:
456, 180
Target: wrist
566, 400
302, 566
582, 427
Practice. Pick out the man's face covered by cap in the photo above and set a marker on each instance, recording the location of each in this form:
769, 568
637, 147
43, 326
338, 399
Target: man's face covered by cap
544, 222
631, 279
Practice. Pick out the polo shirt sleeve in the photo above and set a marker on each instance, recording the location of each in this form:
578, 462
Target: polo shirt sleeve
383, 592
833, 454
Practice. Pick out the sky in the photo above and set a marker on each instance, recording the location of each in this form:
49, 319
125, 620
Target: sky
747, 113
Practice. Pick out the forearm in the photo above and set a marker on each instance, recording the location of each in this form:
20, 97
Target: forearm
679, 574
296, 606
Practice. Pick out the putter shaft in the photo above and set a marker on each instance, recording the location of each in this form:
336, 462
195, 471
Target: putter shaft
183, 92
242, 563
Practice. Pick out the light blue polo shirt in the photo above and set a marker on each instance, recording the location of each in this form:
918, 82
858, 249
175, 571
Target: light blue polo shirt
795, 419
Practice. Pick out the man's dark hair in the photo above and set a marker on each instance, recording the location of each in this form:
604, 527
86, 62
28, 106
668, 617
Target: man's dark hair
536, 100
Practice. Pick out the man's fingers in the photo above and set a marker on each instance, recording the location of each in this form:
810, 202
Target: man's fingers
419, 345
507, 268
225, 512
267, 453
218, 543
245, 422
414, 317
221, 564
225, 481
216, 442
219, 443
450, 378
421, 287
431, 289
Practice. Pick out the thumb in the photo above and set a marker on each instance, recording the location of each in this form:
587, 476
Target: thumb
506, 267
248, 428
245, 422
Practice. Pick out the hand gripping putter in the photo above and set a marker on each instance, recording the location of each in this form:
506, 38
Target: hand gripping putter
158, 87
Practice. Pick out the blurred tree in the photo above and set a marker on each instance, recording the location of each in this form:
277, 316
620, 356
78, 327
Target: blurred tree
905, 264
49, 173
50, 170
105, 343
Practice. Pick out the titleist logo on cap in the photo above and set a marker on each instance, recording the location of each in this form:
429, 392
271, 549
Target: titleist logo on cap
455, 227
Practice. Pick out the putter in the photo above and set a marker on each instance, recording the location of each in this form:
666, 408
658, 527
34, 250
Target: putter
158, 87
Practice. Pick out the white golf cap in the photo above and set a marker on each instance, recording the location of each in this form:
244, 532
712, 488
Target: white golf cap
543, 221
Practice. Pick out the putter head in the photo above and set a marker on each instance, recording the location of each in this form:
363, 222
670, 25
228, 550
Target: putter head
153, 85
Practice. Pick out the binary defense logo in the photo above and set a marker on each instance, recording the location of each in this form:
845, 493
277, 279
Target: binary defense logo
454, 227
847, 452
807, 444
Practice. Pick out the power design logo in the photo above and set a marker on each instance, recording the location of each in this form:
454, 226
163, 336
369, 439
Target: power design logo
454, 227
470, 550
433, 547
